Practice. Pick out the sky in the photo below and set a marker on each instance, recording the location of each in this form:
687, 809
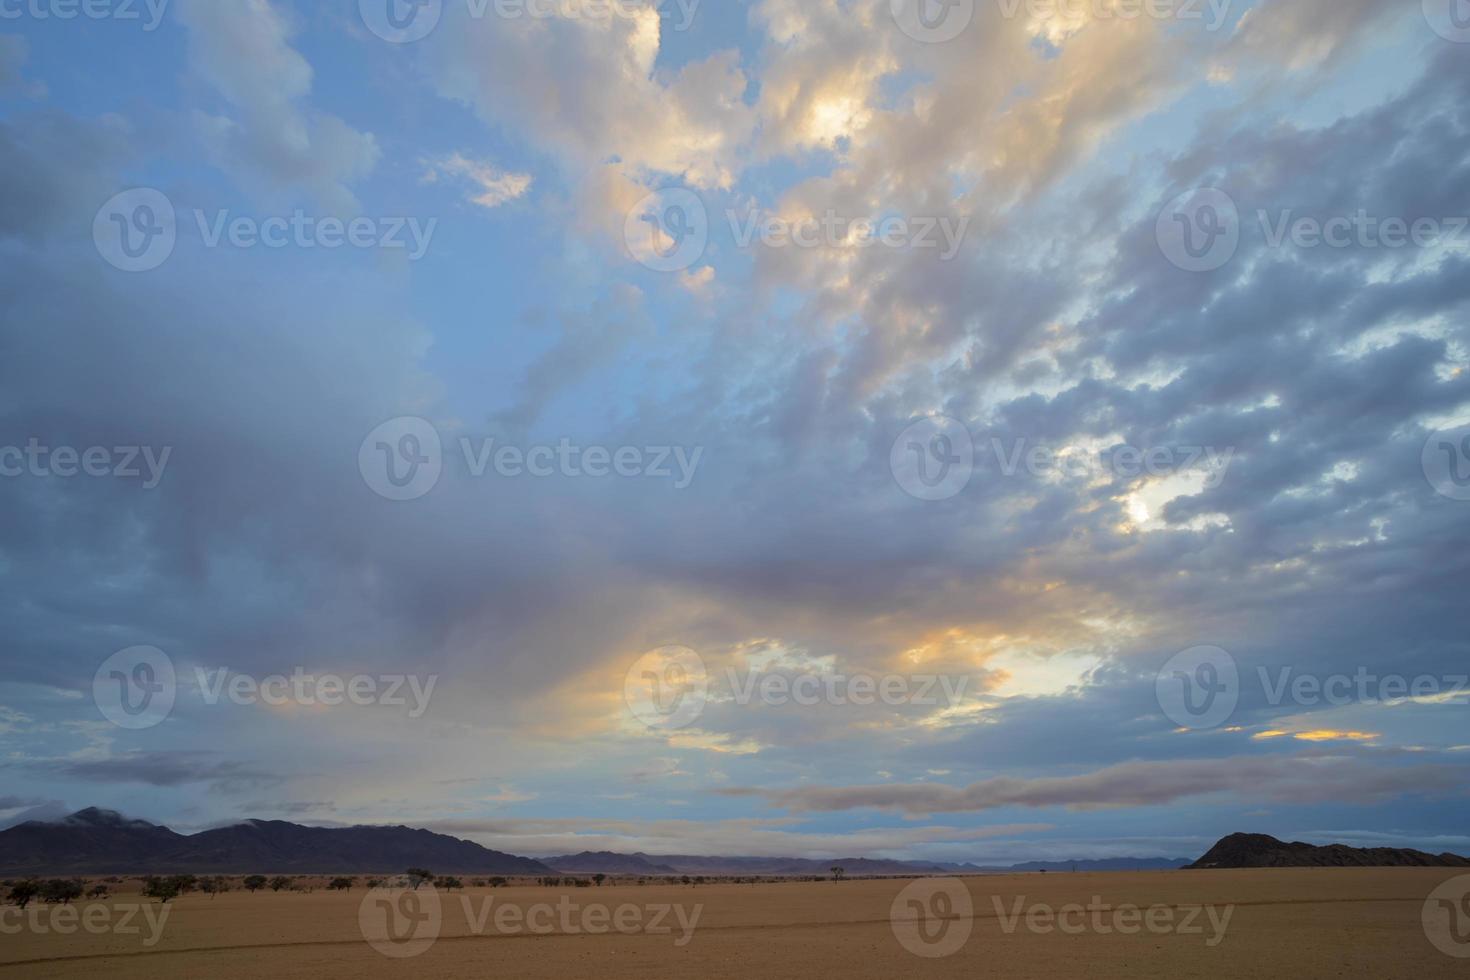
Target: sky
976, 431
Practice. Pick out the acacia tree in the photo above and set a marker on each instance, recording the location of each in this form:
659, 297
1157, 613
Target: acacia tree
341, 884
838, 874
61, 890
279, 882
22, 892
214, 886
163, 889
254, 883
419, 876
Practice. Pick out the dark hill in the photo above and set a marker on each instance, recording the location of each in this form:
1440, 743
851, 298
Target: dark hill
606, 862
102, 842
1261, 851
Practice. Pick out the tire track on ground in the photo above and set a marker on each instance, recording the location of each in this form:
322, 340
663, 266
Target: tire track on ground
755, 927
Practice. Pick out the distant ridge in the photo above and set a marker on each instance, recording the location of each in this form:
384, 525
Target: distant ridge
97, 841
1262, 851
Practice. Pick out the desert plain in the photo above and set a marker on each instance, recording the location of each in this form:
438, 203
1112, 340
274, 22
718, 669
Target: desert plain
1298, 923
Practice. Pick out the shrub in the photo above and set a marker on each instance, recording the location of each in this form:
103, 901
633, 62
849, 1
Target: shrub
99, 890
254, 883
279, 882
341, 884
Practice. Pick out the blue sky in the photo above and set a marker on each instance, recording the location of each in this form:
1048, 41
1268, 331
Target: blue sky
382, 315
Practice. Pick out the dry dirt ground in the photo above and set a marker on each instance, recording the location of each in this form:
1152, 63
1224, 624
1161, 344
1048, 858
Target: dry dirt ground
1226, 924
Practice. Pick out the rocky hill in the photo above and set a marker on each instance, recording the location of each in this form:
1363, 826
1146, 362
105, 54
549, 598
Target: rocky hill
1261, 851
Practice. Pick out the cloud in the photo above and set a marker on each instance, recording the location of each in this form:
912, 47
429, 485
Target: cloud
494, 187
277, 143
167, 769
1296, 779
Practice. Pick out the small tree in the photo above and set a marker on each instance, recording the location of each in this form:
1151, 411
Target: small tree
22, 892
449, 884
254, 883
375, 883
214, 886
163, 889
341, 884
61, 891
419, 876
599, 878
279, 882
838, 874
497, 882
99, 890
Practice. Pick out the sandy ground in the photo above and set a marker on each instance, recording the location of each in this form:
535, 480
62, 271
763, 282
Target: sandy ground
1287, 923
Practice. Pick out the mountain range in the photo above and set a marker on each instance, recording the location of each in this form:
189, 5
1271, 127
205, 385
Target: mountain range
1261, 851
96, 841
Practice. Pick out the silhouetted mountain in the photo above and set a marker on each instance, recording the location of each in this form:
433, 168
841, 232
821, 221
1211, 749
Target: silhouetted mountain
1102, 864
606, 862
89, 838
101, 842
1261, 851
